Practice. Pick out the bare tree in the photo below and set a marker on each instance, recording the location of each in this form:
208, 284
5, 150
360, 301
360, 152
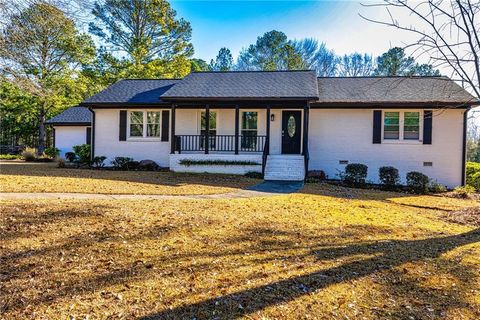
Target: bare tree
448, 34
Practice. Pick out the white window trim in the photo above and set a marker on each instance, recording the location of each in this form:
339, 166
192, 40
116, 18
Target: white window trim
400, 139
144, 137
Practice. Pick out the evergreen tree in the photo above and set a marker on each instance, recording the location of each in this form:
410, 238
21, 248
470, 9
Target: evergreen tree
272, 51
223, 61
41, 53
155, 41
394, 62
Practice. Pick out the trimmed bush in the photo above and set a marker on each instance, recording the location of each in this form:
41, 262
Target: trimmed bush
70, 156
61, 163
188, 163
132, 165
463, 192
148, 165
355, 174
99, 161
52, 152
417, 182
473, 175
254, 175
436, 187
389, 177
83, 153
317, 175
29, 155
121, 163
9, 156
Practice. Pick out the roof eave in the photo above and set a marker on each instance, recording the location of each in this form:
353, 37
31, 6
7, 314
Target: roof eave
121, 104
394, 104
73, 124
174, 98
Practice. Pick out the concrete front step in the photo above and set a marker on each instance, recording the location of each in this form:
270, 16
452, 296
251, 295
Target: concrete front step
285, 167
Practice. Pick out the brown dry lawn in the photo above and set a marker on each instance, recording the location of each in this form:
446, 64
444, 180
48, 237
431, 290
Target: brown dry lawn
324, 253
16, 176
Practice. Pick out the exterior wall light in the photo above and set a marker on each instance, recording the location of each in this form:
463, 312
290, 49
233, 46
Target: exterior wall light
272, 117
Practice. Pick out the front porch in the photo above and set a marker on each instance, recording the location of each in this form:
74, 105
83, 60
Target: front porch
234, 135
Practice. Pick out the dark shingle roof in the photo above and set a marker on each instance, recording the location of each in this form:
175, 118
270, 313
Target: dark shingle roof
284, 85
132, 91
246, 85
378, 90
73, 115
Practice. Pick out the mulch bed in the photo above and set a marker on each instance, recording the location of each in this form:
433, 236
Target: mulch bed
467, 216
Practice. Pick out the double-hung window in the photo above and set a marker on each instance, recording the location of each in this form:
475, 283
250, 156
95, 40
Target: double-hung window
212, 125
249, 129
145, 124
411, 126
401, 125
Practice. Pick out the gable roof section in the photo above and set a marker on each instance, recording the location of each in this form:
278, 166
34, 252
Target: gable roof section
246, 85
132, 91
72, 116
358, 91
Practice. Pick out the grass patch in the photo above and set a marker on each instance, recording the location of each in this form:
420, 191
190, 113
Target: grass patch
332, 251
188, 163
45, 177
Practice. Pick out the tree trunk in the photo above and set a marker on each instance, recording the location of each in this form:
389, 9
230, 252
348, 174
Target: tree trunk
41, 132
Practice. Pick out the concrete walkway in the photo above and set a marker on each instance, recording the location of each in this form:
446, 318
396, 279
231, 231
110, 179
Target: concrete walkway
264, 189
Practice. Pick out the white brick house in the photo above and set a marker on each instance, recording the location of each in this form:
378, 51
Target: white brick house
287, 122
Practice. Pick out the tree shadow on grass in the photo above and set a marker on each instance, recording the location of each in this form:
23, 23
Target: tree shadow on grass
387, 255
161, 178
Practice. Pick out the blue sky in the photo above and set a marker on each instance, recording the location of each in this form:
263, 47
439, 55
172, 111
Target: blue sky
236, 24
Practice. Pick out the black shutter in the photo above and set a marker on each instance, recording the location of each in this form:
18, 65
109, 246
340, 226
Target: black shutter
427, 127
89, 135
377, 126
165, 124
123, 125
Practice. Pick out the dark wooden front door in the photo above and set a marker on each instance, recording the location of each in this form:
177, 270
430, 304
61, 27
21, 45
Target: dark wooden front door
291, 131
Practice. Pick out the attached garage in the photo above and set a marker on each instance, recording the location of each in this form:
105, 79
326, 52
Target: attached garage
70, 128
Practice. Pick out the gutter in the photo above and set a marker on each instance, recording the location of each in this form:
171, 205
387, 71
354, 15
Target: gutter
92, 142
464, 146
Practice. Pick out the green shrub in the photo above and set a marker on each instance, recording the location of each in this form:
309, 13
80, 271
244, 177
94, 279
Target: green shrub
188, 163
463, 192
473, 175
9, 156
29, 155
121, 163
70, 156
355, 174
388, 177
99, 161
417, 182
318, 175
61, 163
52, 152
254, 175
132, 165
148, 165
436, 187
83, 153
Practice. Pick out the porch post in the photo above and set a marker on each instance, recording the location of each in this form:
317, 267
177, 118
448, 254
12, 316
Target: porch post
267, 142
172, 131
306, 115
237, 129
207, 127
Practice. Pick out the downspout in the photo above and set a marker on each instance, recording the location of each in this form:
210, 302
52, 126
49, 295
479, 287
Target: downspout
464, 146
92, 142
